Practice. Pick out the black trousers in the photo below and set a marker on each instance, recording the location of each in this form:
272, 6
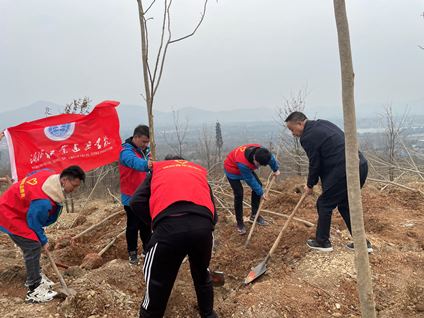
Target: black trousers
134, 227
175, 237
238, 199
335, 196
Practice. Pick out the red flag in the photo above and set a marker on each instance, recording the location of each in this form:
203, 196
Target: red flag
57, 142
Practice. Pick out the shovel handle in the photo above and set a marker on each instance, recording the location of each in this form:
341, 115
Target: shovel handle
277, 241
56, 270
267, 188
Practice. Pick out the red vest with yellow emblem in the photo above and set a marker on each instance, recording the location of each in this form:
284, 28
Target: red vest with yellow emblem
237, 156
15, 202
178, 180
130, 178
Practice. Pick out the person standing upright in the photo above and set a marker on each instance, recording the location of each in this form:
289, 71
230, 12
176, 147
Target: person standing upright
134, 163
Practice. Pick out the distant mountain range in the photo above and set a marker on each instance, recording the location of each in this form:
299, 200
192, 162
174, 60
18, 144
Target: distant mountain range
133, 115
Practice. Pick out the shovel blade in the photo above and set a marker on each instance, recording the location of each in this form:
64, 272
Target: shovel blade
67, 291
255, 272
218, 278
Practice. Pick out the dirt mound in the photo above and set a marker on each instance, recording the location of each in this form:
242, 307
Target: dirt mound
298, 283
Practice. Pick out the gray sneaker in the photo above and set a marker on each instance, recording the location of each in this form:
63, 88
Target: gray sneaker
351, 247
133, 258
241, 229
259, 221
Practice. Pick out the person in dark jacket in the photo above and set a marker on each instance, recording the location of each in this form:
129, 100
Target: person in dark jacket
324, 144
134, 163
177, 202
239, 165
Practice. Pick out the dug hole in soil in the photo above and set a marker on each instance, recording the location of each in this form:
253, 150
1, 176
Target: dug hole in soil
299, 282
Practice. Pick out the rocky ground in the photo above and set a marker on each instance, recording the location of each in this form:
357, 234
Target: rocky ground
298, 283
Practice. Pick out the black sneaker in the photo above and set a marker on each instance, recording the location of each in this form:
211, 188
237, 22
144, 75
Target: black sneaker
352, 248
259, 221
324, 247
133, 258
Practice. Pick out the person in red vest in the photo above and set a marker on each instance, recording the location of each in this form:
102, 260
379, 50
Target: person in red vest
134, 163
25, 208
240, 165
177, 201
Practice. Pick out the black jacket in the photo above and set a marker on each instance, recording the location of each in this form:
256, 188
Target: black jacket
324, 144
140, 205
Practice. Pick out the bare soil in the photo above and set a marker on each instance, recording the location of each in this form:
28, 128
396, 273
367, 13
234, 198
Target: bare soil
299, 282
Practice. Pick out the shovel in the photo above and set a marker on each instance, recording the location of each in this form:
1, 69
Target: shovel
65, 289
261, 267
267, 188
218, 278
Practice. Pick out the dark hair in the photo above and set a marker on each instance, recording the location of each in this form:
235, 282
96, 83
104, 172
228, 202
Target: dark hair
141, 130
173, 157
73, 172
263, 156
296, 117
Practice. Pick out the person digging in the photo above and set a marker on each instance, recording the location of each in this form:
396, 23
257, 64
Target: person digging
239, 166
177, 201
25, 208
324, 144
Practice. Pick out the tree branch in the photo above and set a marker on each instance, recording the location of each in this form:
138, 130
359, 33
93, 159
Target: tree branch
197, 26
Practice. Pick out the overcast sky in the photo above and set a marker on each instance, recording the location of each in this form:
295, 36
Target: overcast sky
246, 53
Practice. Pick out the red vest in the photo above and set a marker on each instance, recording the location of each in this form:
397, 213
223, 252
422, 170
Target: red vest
237, 156
130, 178
178, 180
15, 201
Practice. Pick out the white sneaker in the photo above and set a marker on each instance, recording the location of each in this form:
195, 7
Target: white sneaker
45, 281
40, 295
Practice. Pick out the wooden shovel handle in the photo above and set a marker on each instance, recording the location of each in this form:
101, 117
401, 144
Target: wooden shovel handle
277, 241
267, 188
104, 250
56, 270
98, 224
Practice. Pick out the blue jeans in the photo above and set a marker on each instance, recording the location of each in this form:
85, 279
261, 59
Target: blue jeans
32, 251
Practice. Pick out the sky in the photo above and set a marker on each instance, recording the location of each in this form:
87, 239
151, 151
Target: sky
246, 54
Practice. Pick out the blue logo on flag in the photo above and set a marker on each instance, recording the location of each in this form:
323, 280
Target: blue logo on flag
59, 132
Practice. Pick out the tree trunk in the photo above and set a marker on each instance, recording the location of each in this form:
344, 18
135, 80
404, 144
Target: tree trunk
352, 162
148, 89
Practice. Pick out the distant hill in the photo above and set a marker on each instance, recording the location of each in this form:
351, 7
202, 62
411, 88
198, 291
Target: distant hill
132, 115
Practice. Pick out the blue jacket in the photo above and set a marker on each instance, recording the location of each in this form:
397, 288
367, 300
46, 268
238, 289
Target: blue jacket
38, 217
128, 158
246, 174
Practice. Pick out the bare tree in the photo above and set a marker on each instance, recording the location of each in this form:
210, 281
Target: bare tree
219, 142
48, 111
393, 130
206, 146
179, 133
366, 295
420, 46
290, 143
152, 73
78, 106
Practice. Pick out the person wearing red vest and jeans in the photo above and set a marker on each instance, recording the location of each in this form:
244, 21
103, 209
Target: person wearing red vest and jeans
240, 165
25, 208
134, 163
177, 200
